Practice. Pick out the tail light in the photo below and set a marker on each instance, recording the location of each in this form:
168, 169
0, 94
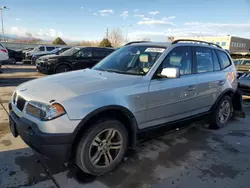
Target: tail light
3, 50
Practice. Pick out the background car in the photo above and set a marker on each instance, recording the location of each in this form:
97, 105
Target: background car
14, 56
38, 49
56, 51
243, 65
4, 56
72, 59
244, 83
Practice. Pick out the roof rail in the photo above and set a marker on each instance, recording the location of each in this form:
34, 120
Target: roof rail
191, 40
135, 42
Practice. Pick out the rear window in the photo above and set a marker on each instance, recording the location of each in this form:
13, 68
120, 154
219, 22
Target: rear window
224, 59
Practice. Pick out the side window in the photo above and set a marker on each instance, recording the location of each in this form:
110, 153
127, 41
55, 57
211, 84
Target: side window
225, 62
179, 57
204, 60
99, 53
85, 52
216, 61
41, 48
50, 48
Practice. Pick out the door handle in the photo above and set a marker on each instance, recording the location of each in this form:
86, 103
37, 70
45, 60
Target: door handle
190, 88
221, 82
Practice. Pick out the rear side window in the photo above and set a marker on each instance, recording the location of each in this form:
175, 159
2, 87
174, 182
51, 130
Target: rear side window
50, 48
204, 60
225, 61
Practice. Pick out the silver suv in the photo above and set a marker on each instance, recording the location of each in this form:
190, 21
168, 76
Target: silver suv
92, 116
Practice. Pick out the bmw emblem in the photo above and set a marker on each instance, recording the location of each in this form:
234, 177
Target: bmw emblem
22, 90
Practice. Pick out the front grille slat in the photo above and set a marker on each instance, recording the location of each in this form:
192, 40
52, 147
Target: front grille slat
20, 103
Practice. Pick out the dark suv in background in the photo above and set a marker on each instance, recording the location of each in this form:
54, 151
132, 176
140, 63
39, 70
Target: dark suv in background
56, 51
72, 59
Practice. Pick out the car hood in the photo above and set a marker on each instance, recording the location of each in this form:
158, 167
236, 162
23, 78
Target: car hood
48, 56
63, 86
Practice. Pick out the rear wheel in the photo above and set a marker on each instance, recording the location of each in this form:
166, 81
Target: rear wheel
102, 147
222, 113
12, 60
63, 68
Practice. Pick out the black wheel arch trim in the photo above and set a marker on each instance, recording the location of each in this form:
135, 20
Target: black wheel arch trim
124, 110
225, 92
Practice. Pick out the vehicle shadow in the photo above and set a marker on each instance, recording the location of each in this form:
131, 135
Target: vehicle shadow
20, 167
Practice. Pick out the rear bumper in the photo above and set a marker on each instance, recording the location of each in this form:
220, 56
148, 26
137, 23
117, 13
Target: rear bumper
53, 146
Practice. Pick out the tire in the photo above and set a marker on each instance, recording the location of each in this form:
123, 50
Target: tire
216, 121
87, 149
62, 68
12, 60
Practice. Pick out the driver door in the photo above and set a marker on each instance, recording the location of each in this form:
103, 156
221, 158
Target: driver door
83, 58
172, 99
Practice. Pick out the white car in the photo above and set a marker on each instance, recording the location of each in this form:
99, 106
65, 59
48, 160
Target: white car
3, 54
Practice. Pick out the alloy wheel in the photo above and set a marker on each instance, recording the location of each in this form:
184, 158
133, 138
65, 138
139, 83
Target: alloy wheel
105, 147
224, 111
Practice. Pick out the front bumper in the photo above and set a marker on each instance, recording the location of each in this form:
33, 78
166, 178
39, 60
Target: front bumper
53, 146
44, 68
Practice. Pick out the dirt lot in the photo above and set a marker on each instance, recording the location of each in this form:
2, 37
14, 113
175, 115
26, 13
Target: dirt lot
190, 157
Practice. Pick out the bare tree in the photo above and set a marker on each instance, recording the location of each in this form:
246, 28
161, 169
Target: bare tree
116, 37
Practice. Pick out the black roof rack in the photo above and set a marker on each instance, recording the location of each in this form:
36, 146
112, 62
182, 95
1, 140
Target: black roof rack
135, 42
191, 40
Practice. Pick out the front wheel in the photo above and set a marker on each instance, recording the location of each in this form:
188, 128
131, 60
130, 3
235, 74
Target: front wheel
62, 68
102, 147
222, 113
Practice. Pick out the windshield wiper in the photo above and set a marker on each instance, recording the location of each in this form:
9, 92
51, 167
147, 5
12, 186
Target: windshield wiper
120, 72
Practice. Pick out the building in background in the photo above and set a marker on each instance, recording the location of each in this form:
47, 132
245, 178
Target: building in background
231, 43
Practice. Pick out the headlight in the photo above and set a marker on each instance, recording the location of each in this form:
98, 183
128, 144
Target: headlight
52, 60
44, 111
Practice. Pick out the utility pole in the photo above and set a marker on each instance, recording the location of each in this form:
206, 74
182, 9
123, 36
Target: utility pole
126, 31
107, 33
1, 9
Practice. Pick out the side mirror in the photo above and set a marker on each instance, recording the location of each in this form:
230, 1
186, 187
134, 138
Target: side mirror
170, 73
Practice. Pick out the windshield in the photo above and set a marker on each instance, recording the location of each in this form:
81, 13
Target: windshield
70, 51
136, 60
55, 50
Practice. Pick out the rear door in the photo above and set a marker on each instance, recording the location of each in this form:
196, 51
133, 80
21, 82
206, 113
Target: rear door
83, 59
209, 77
